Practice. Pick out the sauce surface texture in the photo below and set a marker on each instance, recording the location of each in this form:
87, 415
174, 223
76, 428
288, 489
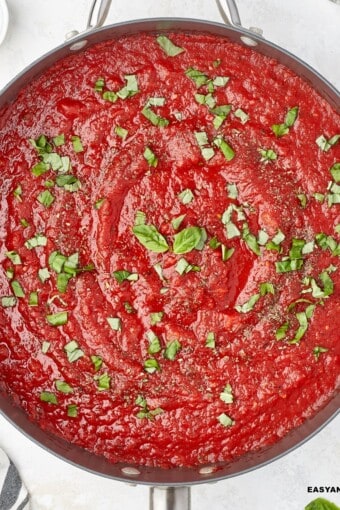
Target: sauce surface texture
169, 250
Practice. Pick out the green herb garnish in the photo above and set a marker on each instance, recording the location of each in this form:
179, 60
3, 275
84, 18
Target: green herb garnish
73, 352
63, 387
57, 319
168, 46
150, 238
48, 396
172, 349
225, 420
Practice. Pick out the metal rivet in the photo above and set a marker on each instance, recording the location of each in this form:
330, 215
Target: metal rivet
206, 470
130, 471
248, 41
78, 45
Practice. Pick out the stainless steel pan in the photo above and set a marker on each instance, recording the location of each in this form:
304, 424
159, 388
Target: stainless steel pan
170, 489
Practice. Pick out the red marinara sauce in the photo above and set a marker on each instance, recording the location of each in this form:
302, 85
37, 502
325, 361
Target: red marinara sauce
170, 250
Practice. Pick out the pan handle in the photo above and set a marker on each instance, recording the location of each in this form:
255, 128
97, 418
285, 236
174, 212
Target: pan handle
98, 14
170, 498
232, 17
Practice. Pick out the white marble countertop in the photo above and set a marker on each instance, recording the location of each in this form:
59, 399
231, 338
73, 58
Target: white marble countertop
309, 29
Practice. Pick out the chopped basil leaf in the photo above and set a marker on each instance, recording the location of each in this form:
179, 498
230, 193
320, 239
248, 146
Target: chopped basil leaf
168, 46
203, 143
266, 288
183, 267
123, 275
280, 130
248, 305
214, 243
176, 222
320, 197
210, 340
115, 323
54, 159
220, 114
77, 144
187, 239
128, 307
104, 381
232, 190
303, 325
73, 352
303, 199
197, 77
40, 168
186, 196
281, 331
226, 252
154, 343
149, 114
46, 198
159, 270
325, 144
225, 420
37, 240
172, 349
220, 81
150, 238
59, 140
41, 144
227, 394
24, 222
278, 238
131, 87
156, 317
64, 387
319, 350
10, 273
68, 182
217, 62
99, 85
243, 116
121, 132
57, 319
284, 266
204, 237
44, 274
14, 257
97, 362
48, 396
232, 230
207, 99
45, 347
335, 171
262, 237
140, 218
72, 410
267, 155
297, 246
49, 183
151, 366
98, 203
289, 121
56, 261
17, 289
62, 282
224, 147
250, 240
18, 192
110, 96
8, 301
150, 157
291, 116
